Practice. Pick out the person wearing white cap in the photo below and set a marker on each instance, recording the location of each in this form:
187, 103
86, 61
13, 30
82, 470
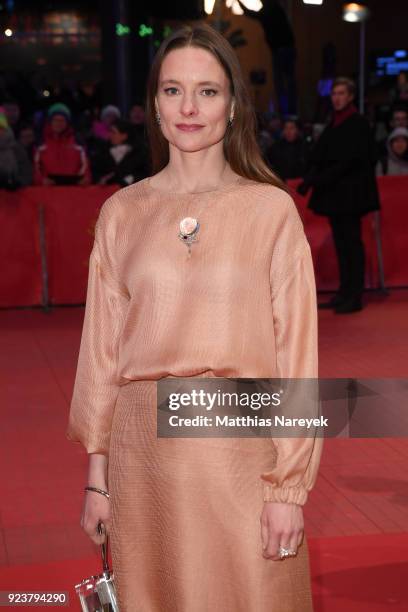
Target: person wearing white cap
395, 162
101, 127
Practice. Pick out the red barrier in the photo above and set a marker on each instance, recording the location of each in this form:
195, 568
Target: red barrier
70, 217
394, 237
394, 229
70, 214
20, 278
319, 235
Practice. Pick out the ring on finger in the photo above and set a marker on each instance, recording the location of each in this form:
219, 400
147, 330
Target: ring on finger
286, 552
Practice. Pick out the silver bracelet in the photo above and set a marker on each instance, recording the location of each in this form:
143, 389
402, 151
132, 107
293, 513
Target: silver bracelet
101, 491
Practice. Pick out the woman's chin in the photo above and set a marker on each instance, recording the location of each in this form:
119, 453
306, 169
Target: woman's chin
190, 144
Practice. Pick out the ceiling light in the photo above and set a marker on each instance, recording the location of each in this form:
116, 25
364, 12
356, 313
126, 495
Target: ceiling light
355, 11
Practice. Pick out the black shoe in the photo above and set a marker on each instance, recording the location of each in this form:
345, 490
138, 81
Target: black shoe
336, 300
353, 304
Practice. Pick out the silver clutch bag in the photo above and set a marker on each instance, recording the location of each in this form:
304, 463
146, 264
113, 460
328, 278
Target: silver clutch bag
98, 593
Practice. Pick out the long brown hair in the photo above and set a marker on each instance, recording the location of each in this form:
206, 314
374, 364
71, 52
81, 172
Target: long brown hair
241, 148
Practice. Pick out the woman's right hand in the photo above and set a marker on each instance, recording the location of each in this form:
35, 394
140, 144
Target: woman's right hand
96, 508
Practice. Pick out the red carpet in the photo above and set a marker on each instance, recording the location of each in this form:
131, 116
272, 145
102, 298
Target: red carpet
349, 574
359, 573
56, 577
357, 515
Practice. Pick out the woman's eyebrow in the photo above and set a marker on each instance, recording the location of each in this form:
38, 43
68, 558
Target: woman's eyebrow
167, 81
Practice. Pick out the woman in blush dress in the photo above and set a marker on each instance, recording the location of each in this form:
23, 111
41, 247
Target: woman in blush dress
197, 524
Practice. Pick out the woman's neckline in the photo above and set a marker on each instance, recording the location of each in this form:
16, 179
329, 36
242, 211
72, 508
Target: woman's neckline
237, 181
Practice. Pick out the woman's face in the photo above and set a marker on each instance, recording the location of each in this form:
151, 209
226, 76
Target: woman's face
59, 123
109, 118
290, 131
137, 115
193, 99
117, 137
26, 137
402, 79
399, 145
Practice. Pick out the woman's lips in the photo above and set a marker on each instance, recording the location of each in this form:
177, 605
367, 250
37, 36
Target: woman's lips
184, 127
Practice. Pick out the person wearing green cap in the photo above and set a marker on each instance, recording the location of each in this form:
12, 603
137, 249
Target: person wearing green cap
59, 109
60, 160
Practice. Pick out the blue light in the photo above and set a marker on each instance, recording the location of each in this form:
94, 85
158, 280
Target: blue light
400, 53
393, 69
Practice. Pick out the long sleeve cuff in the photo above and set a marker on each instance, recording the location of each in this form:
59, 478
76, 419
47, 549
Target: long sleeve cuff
288, 495
295, 472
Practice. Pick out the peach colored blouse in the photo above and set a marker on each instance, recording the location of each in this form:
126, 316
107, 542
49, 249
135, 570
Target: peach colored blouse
242, 305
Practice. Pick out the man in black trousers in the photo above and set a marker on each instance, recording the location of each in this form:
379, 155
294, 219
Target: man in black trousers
341, 173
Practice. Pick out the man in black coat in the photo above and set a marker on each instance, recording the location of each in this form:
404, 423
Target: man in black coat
342, 177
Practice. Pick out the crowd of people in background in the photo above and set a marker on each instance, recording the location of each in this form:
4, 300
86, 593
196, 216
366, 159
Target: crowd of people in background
67, 143
54, 146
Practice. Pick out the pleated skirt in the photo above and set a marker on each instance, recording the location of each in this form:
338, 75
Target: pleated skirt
186, 534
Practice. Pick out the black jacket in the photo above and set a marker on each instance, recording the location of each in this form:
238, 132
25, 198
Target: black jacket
342, 170
133, 167
288, 159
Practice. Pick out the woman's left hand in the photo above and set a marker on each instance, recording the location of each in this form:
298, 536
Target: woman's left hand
281, 525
